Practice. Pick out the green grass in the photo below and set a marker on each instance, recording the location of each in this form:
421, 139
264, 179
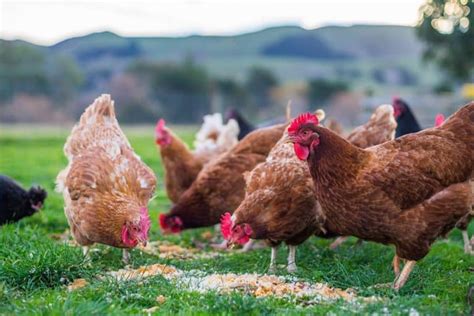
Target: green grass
35, 269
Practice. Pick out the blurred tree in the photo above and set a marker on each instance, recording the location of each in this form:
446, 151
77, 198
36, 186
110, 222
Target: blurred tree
25, 69
446, 26
321, 90
233, 94
183, 91
65, 79
133, 102
22, 70
260, 82
394, 75
444, 87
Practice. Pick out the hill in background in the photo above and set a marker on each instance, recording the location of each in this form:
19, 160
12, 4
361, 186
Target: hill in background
293, 53
164, 76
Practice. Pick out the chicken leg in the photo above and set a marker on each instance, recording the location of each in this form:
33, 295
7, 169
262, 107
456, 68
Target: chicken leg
468, 244
273, 267
87, 256
85, 251
402, 278
336, 243
396, 265
126, 256
291, 259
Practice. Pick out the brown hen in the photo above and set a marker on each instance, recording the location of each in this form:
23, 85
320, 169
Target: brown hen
405, 192
106, 187
181, 165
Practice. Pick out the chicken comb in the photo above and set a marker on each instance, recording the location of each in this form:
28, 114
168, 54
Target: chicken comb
160, 125
439, 119
226, 225
395, 99
302, 119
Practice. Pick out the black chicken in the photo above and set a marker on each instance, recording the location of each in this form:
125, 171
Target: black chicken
244, 125
16, 203
406, 121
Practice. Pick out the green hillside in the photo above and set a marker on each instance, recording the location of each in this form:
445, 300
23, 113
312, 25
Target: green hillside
361, 40
368, 48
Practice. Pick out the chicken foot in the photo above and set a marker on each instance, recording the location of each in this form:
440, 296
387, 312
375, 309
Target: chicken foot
402, 278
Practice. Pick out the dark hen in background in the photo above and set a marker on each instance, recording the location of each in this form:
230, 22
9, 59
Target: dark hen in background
16, 203
244, 125
406, 121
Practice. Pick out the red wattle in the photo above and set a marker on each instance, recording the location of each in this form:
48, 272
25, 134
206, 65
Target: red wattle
163, 221
126, 239
302, 152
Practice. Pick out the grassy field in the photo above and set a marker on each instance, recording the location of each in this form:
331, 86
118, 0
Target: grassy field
35, 269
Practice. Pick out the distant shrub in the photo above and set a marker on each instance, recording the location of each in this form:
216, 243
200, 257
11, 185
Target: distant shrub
321, 90
305, 46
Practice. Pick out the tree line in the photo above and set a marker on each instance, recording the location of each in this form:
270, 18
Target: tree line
182, 92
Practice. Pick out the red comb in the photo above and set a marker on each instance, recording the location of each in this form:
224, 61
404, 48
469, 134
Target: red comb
163, 221
439, 119
160, 125
226, 225
395, 99
302, 119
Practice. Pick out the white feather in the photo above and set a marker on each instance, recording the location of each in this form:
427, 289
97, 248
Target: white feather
215, 136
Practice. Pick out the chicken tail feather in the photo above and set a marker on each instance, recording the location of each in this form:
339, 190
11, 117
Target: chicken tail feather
103, 106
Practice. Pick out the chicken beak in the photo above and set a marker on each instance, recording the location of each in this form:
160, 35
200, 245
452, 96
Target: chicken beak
37, 207
230, 243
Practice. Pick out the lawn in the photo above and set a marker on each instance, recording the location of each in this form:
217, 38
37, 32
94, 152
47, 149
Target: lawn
35, 269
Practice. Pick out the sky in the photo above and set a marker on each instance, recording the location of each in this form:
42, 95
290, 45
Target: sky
47, 22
